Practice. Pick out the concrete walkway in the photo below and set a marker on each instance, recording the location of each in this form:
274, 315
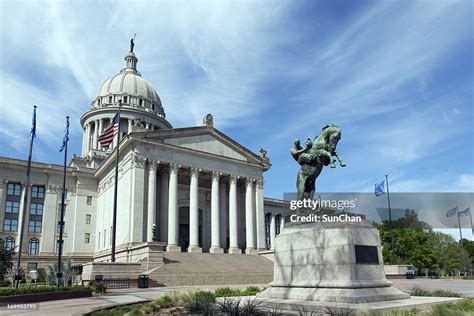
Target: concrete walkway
81, 306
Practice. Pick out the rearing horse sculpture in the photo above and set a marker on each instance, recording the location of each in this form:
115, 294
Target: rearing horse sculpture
317, 154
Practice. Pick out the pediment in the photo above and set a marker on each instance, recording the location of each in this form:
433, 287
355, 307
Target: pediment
206, 143
206, 140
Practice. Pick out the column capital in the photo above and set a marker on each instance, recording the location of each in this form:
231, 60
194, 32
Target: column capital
174, 168
249, 181
233, 178
138, 160
260, 183
216, 175
195, 171
153, 163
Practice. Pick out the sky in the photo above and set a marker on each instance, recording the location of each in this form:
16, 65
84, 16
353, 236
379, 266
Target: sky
396, 76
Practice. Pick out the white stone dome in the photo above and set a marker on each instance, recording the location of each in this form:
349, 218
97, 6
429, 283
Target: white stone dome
130, 88
129, 83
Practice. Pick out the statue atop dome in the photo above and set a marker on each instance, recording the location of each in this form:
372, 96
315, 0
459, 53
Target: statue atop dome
132, 44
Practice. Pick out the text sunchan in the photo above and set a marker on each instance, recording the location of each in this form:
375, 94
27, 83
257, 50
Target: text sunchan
315, 204
325, 218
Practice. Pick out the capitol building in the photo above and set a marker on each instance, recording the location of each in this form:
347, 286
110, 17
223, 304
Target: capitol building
180, 190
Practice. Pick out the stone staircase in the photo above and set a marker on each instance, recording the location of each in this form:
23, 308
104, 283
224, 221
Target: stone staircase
211, 269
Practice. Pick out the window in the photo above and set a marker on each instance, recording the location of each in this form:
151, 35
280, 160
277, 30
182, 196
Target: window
153, 107
12, 207
140, 102
125, 99
110, 99
87, 238
9, 243
59, 211
37, 192
34, 227
36, 209
89, 200
33, 246
58, 227
30, 266
88, 218
14, 189
10, 225
98, 101
57, 247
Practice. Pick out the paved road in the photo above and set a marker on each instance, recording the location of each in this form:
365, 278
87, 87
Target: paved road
465, 287
80, 306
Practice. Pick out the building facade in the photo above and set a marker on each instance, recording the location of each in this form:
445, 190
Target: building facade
188, 189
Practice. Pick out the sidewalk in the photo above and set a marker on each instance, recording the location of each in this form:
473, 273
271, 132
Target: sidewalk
80, 306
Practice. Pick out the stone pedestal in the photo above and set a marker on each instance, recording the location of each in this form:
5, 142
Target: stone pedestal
332, 262
216, 250
234, 250
194, 249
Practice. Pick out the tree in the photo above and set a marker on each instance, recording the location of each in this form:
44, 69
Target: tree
6, 264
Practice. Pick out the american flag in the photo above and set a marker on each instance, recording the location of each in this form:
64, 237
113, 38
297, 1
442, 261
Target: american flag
108, 135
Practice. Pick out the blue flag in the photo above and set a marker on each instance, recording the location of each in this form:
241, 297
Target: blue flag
452, 212
465, 212
379, 188
33, 124
66, 136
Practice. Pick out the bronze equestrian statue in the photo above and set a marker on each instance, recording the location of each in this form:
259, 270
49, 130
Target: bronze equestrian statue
314, 156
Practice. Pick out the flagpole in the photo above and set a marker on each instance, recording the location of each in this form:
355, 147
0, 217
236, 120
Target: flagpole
389, 214
59, 274
25, 202
114, 216
462, 246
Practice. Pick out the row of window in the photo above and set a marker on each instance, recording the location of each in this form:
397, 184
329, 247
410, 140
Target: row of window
33, 245
14, 207
11, 225
14, 189
9, 245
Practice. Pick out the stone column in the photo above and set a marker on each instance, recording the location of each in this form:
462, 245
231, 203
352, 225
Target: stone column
164, 189
94, 137
260, 215
249, 217
272, 231
84, 137
194, 212
282, 222
233, 218
129, 126
88, 138
173, 211
151, 216
223, 212
99, 146
215, 215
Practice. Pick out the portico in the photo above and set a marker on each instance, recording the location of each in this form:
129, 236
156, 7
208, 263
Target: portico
204, 200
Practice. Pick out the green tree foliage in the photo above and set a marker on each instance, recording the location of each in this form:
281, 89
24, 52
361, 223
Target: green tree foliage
416, 243
6, 264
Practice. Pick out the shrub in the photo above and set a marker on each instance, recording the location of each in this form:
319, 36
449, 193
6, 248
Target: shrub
201, 302
464, 307
227, 292
98, 287
229, 306
164, 302
419, 291
250, 307
7, 292
251, 291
